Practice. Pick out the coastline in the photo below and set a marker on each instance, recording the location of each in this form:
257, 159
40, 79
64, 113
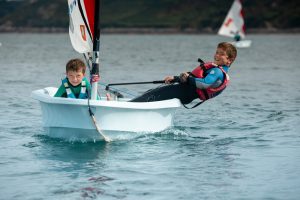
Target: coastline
145, 30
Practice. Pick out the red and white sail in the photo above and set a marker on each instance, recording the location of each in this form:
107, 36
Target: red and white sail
81, 27
234, 21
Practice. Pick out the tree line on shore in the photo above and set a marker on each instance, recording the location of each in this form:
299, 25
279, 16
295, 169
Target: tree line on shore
147, 15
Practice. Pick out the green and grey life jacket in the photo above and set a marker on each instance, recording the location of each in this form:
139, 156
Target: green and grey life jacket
70, 94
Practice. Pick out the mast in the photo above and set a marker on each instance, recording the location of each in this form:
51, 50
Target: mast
96, 52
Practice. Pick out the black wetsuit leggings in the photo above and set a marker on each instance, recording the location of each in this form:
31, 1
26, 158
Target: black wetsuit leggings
184, 92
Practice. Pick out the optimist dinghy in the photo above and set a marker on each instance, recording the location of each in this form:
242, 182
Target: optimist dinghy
234, 24
92, 119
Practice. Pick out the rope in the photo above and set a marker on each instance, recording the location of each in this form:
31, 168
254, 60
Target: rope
98, 129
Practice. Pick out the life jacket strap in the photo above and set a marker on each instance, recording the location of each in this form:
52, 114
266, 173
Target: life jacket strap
68, 90
205, 94
83, 87
66, 85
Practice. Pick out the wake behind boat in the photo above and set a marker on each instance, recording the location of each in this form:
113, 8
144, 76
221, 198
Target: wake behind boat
92, 119
234, 26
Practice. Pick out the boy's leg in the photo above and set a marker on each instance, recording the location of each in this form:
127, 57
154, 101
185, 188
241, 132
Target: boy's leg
184, 92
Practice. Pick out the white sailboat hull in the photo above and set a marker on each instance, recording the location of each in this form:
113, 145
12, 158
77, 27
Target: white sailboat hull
70, 119
242, 43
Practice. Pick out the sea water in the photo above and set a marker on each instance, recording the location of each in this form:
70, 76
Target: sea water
243, 144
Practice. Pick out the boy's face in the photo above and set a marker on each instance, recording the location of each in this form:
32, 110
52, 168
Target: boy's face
75, 77
221, 57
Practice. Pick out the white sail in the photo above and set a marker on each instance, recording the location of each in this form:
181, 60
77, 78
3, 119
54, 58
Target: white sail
234, 21
81, 25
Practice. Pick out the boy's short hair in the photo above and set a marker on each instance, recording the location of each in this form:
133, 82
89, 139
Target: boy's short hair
229, 49
76, 65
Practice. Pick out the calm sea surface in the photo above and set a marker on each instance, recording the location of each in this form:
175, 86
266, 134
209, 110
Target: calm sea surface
244, 144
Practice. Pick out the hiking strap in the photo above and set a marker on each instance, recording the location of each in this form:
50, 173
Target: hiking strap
198, 104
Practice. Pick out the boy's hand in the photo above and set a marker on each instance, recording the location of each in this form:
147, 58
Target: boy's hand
169, 79
183, 77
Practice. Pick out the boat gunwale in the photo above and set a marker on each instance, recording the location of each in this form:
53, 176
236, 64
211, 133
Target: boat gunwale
41, 96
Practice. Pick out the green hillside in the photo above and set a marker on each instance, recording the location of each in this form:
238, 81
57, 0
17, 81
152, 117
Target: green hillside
201, 15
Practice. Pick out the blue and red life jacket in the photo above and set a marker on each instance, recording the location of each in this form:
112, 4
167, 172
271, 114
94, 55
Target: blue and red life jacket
208, 93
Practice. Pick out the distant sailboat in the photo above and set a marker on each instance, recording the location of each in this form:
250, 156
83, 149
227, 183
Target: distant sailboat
233, 25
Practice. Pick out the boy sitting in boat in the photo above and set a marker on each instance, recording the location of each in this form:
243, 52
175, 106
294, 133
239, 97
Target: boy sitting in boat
75, 85
204, 82
236, 36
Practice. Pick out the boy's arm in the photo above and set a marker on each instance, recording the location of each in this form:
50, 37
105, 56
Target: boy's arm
89, 87
214, 75
61, 92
